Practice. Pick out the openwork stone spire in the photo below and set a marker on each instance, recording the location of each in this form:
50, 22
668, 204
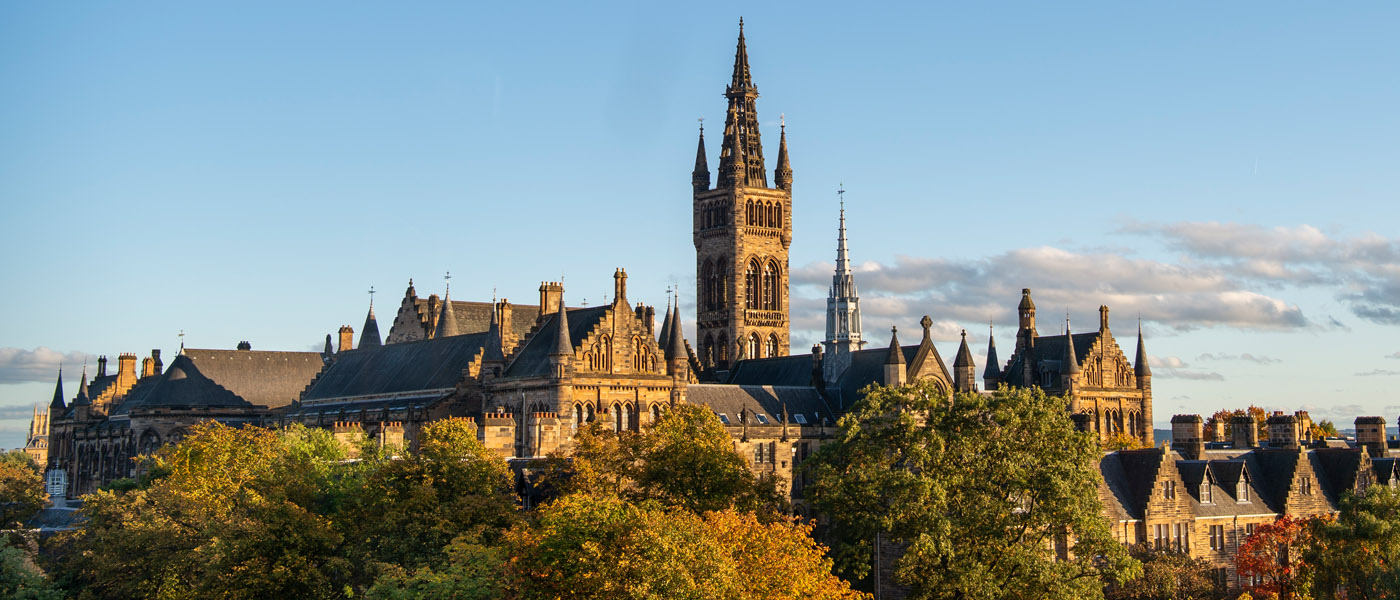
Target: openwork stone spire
742, 143
843, 332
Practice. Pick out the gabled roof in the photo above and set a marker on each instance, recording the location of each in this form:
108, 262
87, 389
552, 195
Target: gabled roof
867, 367
434, 364
186, 384
532, 359
795, 370
265, 378
1336, 470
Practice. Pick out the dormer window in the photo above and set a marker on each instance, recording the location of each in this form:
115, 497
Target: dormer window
1242, 490
1207, 493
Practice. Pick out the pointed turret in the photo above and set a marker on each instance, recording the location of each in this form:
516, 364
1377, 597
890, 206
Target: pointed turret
329, 351
782, 175
494, 351
447, 320
563, 346
1071, 362
741, 160
1140, 366
665, 337
964, 357
369, 336
964, 369
894, 361
675, 347
993, 371
82, 397
700, 177
57, 406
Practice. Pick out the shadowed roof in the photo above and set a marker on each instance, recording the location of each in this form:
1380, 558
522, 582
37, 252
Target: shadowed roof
764, 399
397, 368
270, 379
532, 359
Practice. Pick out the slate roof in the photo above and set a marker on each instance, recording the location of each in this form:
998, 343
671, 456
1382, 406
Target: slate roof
867, 367
434, 364
186, 385
475, 317
1386, 469
795, 370
1339, 468
99, 385
265, 378
1048, 352
532, 359
765, 399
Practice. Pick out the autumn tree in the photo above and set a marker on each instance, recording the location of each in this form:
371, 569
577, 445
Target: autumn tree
1224, 419
992, 496
1359, 552
586, 546
1167, 575
684, 459
1274, 556
403, 513
233, 516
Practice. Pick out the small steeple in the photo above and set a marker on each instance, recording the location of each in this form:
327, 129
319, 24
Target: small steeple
1071, 361
82, 398
700, 177
447, 320
562, 345
57, 406
494, 348
782, 175
665, 337
993, 371
1140, 366
369, 336
896, 352
964, 358
675, 347
330, 350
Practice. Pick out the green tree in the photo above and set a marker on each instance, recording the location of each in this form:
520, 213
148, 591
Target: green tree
21, 489
991, 496
20, 580
1167, 575
1359, 552
684, 459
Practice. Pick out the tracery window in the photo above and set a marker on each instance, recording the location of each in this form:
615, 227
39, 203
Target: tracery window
754, 346
751, 286
770, 286
722, 348
772, 349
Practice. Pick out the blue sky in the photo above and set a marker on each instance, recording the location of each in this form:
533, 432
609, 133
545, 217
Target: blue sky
247, 172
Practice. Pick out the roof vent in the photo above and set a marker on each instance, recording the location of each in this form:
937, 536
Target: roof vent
244, 345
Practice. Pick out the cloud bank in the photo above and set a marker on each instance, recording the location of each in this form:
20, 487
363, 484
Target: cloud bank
18, 365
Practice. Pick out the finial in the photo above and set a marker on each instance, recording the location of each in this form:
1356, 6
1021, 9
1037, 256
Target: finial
702, 125
741, 26
371, 296
182, 340
782, 120
447, 286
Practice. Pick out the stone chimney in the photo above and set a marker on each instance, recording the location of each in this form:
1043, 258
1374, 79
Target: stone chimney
551, 294
156, 362
1188, 437
347, 338
1244, 432
102, 366
620, 286
1305, 423
148, 367
1370, 433
504, 313
1283, 431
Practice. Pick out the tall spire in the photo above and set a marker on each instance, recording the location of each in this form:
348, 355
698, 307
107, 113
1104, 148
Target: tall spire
993, 371
843, 331
741, 161
1140, 366
700, 177
369, 336
57, 404
782, 175
1071, 361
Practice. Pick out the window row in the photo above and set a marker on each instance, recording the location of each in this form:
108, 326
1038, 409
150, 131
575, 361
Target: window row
764, 214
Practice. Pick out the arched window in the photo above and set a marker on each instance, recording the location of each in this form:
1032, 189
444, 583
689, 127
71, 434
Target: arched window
754, 347
578, 417
721, 283
770, 287
707, 283
639, 354
617, 417
772, 349
722, 348
770, 220
751, 286
750, 212
655, 413
707, 350
605, 352
778, 215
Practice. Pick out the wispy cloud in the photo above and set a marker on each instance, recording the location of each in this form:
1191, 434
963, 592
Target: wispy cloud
1377, 372
1172, 367
18, 365
1393, 355
1247, 357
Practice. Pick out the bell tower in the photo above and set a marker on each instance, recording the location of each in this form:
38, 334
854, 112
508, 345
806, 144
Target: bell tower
742, 231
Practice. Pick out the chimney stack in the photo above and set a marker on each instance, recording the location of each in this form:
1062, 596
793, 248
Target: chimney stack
1370, 433
1188, 437
1283, 431
551, 294
1244, 432
347, 338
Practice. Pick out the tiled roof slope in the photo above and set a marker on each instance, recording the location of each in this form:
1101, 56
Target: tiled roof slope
475, 317
397, 368
532, 359
270, 379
